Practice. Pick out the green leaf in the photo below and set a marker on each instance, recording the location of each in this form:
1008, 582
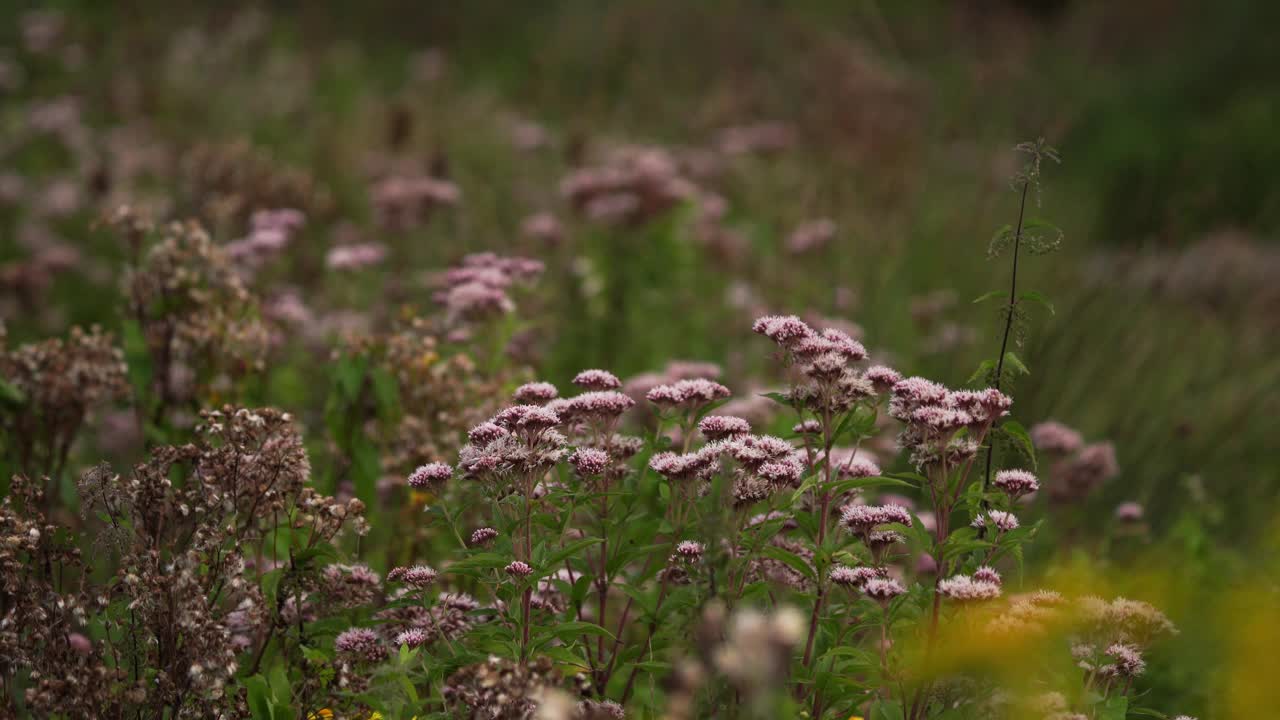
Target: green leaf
1035, 297
985, 368
886, 710
791, 560
1019, 434
259, 698
552, 562
988, 296
777, 397
1011, 358
1115, 708
10, 395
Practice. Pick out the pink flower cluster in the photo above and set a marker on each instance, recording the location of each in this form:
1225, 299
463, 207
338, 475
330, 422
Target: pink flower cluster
478, 286
966, 589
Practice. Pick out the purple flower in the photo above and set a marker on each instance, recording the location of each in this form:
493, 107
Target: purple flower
535, 393
485, 433
999, 519
430, 474
590, 462
360, 644
882, 378
688, 393
689, 550
963, 588
720, 427
986, 573
882, 590
597, 380
1129, 512
1052, 436
862, 518
519, 569
853, 576
419, 576
786, 330
1016, 483
413, 637
483, 535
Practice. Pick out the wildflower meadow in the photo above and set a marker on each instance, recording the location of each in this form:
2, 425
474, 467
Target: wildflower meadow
639, 359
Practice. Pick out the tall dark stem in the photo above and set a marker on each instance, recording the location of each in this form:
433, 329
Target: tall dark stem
1008, 325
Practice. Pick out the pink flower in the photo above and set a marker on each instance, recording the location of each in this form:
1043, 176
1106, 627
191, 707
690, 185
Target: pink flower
810, 236
853, 576
963, 588
590, 462
1129, 512
882, 590
1052, 436
535, 393
519, 569
882, 378
689, 550
598, 405
354, 257
786, 330
430, 474
999, 519
988, 574
688, 393
483, 535
597, 380
361, 644
720, 427
1016, 483
862, 518
413, 637
419, 576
